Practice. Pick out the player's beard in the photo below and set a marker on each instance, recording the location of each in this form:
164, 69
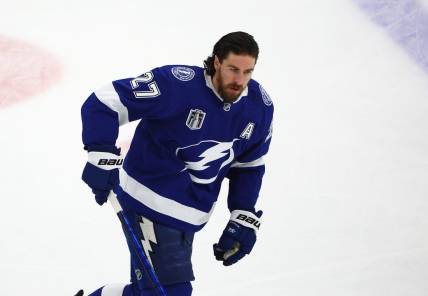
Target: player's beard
229, 92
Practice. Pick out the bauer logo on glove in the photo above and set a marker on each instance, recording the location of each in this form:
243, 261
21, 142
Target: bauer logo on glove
238, 237
105, 161
250, 220
101, 172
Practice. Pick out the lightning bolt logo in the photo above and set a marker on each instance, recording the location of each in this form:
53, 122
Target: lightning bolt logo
216, 152
148, 236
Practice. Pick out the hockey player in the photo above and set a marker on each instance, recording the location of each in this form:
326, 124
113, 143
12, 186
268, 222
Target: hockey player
197, 126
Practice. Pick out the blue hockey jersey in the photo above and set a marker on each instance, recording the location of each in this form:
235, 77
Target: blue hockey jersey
187, 141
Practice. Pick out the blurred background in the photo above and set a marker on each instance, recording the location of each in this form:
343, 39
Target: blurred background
345, 191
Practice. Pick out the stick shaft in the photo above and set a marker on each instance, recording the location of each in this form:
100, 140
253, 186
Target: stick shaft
135, 245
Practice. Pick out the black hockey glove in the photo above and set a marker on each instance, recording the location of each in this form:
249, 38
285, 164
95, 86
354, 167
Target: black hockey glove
101, 172
238, 237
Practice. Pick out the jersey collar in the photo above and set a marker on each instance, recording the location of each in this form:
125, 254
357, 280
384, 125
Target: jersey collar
209, 84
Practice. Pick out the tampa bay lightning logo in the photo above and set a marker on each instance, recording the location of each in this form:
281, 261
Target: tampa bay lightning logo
205, 159
266, 98
183, 73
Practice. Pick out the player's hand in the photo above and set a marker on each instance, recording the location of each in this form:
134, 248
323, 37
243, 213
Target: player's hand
101, 172
238, 237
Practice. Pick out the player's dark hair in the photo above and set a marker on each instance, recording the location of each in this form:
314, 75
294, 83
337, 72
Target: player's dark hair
235, 42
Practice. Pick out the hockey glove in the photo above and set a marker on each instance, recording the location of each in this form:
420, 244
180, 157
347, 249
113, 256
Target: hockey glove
238, 237
101, 172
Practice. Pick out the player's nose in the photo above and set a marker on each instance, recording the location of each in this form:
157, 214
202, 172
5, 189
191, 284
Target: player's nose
239, 78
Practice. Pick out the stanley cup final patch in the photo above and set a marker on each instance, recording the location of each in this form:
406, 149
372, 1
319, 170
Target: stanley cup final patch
195, 119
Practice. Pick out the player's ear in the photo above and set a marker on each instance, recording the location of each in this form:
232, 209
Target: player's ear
216, 63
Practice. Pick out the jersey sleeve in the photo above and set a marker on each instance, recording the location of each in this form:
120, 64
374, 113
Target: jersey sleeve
246, 173
122, 101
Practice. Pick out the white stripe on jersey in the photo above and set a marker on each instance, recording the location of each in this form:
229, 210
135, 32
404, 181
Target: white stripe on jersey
109, 97
162, 204
254, 163
113, 290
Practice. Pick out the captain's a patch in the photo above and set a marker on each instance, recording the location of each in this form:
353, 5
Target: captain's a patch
248, 131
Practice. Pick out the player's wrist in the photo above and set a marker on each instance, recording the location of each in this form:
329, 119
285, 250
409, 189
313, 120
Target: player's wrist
246, 218
105, 160
103, 148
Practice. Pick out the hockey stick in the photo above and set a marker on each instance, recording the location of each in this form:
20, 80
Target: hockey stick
135, 245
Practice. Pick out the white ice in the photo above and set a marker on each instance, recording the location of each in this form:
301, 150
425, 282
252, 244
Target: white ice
345, 193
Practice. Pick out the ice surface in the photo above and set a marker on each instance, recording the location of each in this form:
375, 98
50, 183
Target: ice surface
345, 193
406, 22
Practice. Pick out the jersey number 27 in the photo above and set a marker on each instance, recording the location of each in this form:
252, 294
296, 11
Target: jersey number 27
146, 78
